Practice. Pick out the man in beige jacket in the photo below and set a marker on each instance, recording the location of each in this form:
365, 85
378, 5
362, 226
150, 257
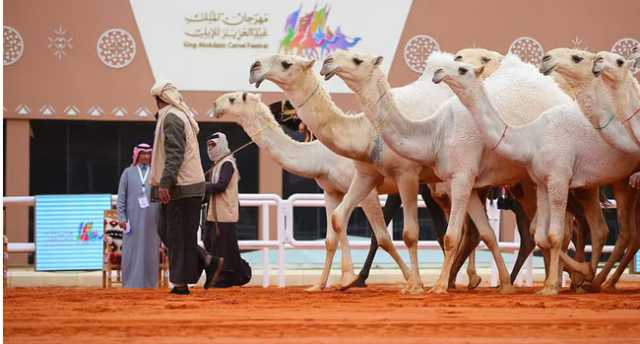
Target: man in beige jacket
177, 181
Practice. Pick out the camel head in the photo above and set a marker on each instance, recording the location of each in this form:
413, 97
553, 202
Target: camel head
481, 57
575, 66
356, 69
457, 75
614, 69
239, 104
286, 71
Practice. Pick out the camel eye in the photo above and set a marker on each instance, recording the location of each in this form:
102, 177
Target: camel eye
458, 58
357, 61
462, 70
485, 60
576, 58
620, 62
231, 100
286, 64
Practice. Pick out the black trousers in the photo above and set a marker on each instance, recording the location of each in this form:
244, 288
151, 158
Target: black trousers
223, 242
178, 230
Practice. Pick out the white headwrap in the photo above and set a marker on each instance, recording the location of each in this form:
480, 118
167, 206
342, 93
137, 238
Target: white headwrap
221, 148
169, 93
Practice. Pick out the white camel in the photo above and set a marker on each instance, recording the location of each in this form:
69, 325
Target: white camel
354, 137
448, 141
577, 68
333, 173
559, 148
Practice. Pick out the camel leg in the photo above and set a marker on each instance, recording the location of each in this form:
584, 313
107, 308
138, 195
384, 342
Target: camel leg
331, 244
408, 188
624, 196
479, 217
540, 225
468, 243
527, 244
360, 192
391, 207
461, 187
575, 208
634, 220
371, 208
557, 190
436, 213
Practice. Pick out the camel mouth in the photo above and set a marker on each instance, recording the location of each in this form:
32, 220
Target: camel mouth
255, 79
328, 70
438, 76
254, 71
329, 75
547, 71
598, 67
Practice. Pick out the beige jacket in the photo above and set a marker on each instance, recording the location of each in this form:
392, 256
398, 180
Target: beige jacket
189, 175
223, 207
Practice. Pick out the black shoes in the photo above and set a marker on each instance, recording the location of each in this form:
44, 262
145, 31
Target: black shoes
183, 290
213, 270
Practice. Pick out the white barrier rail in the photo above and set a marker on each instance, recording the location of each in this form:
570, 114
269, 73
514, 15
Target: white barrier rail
285, 232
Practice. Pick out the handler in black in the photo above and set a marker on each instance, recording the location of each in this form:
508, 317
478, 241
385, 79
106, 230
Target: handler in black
219, 233
177, 181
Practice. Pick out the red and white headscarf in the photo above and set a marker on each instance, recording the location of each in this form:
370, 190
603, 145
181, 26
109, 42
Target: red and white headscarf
140, 148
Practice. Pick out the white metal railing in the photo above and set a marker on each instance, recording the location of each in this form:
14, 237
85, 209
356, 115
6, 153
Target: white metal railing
285, 228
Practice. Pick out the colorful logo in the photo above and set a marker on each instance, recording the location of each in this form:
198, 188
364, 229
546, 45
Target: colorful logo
87, 233
309, 35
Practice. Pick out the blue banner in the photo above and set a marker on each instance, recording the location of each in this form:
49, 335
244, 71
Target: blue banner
69, 231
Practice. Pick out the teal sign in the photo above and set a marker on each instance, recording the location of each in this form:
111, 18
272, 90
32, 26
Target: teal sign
69, 231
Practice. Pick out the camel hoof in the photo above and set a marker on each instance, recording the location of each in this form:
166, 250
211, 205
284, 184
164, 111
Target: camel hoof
412, 290
547, 292
474, 282
577, 279
580, 290
315, 289
591, 287
350, 282
609, 288
507, 289
438, 289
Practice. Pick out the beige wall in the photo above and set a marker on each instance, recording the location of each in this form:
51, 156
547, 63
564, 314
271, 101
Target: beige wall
17, 184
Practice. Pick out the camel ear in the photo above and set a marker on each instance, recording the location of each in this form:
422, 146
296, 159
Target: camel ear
308, 64
479, 71
244, 97
378, 61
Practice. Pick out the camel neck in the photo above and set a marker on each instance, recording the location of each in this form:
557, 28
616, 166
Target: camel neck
293, 156
597, 105
349, 136
413, 139
627, 103
498, 135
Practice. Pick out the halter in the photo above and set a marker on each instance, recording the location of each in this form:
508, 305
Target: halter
606, 124
251, 137
309, 97
504, 133
633, 115
379, 123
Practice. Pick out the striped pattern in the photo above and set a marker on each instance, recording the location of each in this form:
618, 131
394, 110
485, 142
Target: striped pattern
69, 230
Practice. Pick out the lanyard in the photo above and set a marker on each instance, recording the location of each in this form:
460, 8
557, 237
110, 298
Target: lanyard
143, 178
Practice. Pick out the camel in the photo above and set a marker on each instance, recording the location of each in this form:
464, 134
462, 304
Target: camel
332, 172
578, 68
354, 137
448, 141
556, 161
488, 62
624, 90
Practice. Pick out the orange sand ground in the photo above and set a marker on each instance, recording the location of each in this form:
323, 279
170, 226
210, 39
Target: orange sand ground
377, 314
